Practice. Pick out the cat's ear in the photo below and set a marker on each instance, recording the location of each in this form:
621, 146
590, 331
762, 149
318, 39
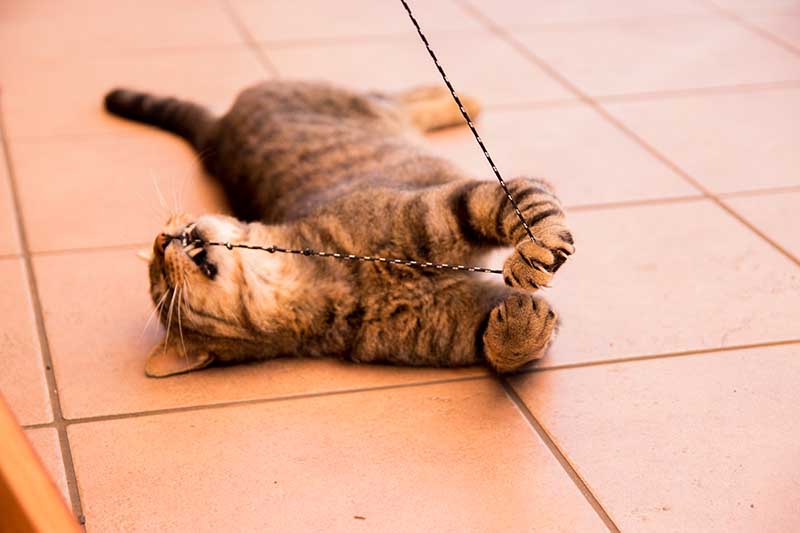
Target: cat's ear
176, 358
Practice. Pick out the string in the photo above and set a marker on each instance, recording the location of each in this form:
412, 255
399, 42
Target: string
472, 128
346, 257
308, 252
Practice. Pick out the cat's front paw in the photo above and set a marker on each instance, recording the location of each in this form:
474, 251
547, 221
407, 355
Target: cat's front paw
532, 265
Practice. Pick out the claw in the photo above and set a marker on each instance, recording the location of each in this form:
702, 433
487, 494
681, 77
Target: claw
540, 268
186, 235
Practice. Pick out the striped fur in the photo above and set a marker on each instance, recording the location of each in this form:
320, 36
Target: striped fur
314, 165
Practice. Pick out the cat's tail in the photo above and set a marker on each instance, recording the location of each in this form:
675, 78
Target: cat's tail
191, 121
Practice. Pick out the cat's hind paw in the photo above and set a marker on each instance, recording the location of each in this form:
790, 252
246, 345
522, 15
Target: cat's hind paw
519, 331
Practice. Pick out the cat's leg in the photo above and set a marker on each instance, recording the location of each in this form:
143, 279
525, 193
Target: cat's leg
457, 321
453, 222
484, 215
432, 107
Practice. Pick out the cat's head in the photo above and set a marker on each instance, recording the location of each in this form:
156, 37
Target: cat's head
196, 289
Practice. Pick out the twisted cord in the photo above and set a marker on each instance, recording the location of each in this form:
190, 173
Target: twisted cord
472, 128
348, 257
308, 252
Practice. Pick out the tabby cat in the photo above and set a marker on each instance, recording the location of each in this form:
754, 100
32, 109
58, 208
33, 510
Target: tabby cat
311, 165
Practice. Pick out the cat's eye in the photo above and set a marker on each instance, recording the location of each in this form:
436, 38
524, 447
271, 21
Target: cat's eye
200, 258
209, 269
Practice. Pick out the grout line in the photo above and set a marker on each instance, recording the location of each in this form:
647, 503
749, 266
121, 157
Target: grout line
310, 395
12, 255
274, 399
44, 425
107, 134
570, 470
632, 135
134, 52
554, 448
496, 107
635, 203
392, 37
577, 24
689, 92
666, 355
754, 28
690, 180
530, 105
92, 249
389, 36
775, 244
760, 192
52, 386
250, 41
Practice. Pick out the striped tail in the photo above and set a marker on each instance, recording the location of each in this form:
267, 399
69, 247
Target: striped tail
191, 121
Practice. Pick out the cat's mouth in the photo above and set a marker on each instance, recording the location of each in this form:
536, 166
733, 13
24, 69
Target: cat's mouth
192, 243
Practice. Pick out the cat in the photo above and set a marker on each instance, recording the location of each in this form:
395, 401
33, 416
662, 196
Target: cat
313, 165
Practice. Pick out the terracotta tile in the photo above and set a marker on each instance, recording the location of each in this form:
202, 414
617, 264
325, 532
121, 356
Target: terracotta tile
645, 56
45, 442
774, 214
34, 109
477, 63
784, 26
22, 381
94, 27
729, 142
9, 242
668, 278
397, 458
587, 160
102, 191
520, 13
96, 305
702, 443
303, 20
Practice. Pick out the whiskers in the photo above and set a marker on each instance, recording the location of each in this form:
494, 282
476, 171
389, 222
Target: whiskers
155, 312
178, 186
175, 291
163, 209
182, 298
177, 298
174, 297
160, 195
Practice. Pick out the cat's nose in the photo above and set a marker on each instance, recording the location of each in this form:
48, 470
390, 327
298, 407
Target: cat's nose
162, 241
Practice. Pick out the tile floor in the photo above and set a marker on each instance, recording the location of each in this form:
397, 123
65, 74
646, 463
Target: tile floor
669, 401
